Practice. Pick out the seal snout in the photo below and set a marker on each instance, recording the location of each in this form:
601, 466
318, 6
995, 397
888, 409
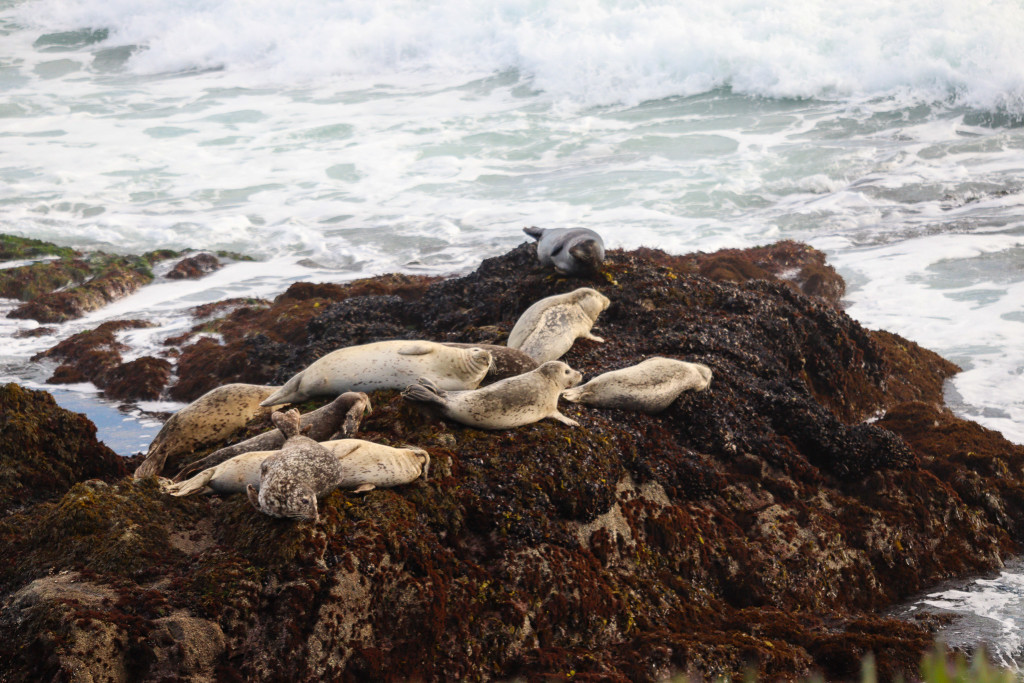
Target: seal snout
589, 255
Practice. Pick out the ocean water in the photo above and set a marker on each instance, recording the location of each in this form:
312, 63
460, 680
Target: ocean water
339, 139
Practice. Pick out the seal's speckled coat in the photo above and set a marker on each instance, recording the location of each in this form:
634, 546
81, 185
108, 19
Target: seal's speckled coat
338, 419
212, 416
292, 479
364, 465
548, 328
386, 365
650, 386
512, 402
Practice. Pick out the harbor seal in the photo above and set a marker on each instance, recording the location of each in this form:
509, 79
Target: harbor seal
507, 362
509, 403
385, 365
338, 419
364, 465
573, 251
650, 386
293, 478
211, 417
370, 465
547, 329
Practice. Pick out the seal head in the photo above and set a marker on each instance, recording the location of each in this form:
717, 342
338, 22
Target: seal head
292, 479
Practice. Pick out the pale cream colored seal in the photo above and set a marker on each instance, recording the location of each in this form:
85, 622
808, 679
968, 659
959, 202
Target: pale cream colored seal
650, 386
509, 403
385, 365
364, 465
548, 328
338, 419
211, 417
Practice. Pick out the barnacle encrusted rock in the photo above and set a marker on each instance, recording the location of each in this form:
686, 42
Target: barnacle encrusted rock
767, 522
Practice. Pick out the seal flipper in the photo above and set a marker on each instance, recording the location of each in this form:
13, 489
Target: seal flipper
563, 419
289, 393
197, 485
254, 497
420, 393
364, 487
574, 394
415, 349
534, 232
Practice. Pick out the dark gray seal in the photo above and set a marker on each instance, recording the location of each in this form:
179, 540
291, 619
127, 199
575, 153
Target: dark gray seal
292, 479
339, 419
573, 251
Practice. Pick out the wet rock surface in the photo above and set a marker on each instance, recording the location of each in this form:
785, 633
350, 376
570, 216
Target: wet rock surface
193, 267
762, 522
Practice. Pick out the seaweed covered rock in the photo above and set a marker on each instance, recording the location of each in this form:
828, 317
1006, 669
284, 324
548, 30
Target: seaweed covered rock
764, 522
113, 277
45, 449
95, 356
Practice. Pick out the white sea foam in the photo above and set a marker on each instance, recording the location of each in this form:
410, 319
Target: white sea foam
593, 52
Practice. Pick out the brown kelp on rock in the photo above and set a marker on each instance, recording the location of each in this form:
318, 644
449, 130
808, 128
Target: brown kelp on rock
759, 523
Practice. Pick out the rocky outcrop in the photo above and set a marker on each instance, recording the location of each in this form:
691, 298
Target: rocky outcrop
193, 267
117, 278
766, 522
45, 450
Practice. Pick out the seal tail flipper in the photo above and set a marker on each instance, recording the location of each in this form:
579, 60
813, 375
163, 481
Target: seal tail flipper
254, 497
420, 394
289, 393
574, 394
153, 464
534, 232
289, 423
195, 486
364, 487
354, 416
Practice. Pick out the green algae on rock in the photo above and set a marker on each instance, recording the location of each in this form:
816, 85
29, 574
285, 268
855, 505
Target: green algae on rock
761, 523
14, 248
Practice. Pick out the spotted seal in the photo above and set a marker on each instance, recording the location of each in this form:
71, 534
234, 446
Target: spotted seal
364, 465
548, 328
509, 403
293, 478
650, 386
385, 365
573, 251
211, 417
338, 419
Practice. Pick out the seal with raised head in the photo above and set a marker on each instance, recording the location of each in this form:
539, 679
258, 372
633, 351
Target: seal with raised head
364, 465
293, 478
338, 419
548, 328
209, 418
386, 365
649, 387
573, 251
509, 403
507, 362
